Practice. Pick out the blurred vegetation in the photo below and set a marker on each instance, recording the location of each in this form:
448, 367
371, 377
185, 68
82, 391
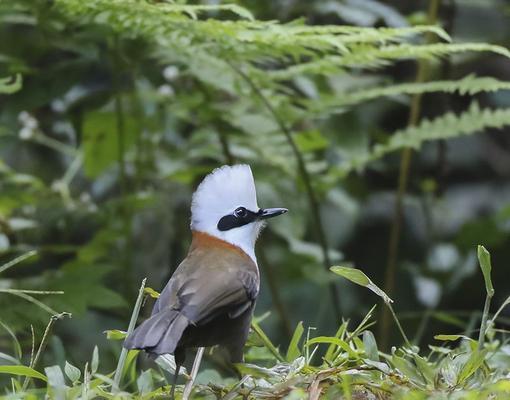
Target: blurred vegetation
381, 126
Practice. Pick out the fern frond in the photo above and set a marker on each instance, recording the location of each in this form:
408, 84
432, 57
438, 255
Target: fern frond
469, 85
175, 27
370, 57
447, 126
193, 10
336, 36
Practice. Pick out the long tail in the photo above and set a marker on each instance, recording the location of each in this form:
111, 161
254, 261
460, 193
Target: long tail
160, 334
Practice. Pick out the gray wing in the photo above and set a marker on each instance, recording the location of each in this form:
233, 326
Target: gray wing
203, 288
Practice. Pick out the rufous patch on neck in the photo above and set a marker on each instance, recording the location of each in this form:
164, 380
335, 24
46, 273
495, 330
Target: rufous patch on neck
202, 239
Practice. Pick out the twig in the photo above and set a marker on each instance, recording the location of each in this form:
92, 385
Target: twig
42, 345
404, 336
13, 291
193, 375
131, 328
31, 299
305, 176
119, 118
17, 260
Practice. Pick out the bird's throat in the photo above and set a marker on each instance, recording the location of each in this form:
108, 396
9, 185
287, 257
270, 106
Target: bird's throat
204, 240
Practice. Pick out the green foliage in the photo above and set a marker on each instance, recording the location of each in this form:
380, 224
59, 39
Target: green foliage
447, 126
126, 104
353, 364
469, 85
357, 276
485, 265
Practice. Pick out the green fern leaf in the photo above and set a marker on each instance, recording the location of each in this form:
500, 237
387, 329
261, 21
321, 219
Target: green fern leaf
467, 86
447, 126
371, 57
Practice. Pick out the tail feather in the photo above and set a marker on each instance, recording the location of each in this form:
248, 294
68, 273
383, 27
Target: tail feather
172, 336
159, 334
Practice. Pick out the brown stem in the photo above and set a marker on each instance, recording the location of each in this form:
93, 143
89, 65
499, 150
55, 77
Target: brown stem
305, 176
405, 163
42, 345
119, 117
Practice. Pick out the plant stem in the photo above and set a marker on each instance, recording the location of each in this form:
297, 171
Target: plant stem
485, 316
404, 336
119, 117
31, 299
54, 144
42, 345
119, 114
17, 260
131, 328
496, 314
193, 374
305, 176
405, 162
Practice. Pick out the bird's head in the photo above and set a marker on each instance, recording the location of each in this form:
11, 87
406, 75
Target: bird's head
225, 206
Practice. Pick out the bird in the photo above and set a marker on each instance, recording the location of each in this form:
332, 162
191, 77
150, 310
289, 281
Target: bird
210, 298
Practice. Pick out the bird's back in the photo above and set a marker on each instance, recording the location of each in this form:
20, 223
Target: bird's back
208, 301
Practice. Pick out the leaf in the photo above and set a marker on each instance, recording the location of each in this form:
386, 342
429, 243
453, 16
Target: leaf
451, 337
72, 372
336, 341
377, 57
16, 344
151, 292
22, 370
193, 10
312, 140
484, 259
370, 346
267, 342
426, 368
407, 369
473, 363
11, 84
358, 277
256, 371
167, 362
383, 367
101, 140
446, 126
115, 334
331, 351
213, 71
94, 364
466, 86
144, 382
9, 359
293, 351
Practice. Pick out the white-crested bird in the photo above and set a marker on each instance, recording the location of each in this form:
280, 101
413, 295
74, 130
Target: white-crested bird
209, 300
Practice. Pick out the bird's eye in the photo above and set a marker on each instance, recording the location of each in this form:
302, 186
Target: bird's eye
240, 212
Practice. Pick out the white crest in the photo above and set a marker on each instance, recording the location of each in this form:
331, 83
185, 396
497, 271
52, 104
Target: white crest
219, 194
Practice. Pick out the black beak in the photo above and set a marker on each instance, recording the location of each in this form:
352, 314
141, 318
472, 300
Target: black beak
266, 213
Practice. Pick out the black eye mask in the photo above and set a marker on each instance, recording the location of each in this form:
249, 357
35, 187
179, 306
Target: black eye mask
240, 217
